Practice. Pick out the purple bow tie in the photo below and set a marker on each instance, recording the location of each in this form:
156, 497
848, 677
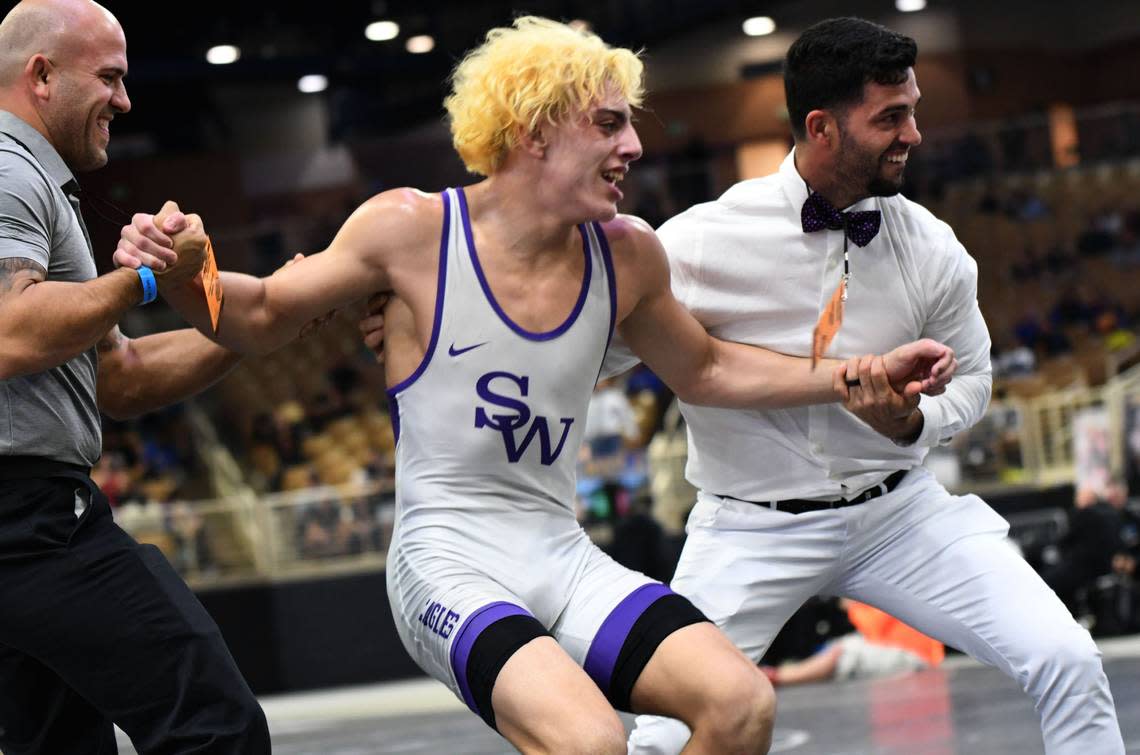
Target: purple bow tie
818, 214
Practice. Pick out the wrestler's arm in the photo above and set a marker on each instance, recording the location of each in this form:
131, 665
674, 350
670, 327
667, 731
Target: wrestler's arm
260, 315
704, 370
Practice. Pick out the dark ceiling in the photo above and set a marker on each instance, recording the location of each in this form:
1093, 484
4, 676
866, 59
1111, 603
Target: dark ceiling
182, 103
374, 87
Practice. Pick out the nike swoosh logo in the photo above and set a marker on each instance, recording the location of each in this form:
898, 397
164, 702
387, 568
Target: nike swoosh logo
452, 351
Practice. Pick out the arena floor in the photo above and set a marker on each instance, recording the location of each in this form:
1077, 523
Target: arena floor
960, 708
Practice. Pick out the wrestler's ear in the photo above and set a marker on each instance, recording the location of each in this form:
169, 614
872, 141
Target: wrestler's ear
533, 142
822, 128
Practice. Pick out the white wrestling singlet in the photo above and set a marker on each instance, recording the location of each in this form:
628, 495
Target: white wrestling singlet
488, 430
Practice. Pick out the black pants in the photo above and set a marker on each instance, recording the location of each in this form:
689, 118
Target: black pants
96, 628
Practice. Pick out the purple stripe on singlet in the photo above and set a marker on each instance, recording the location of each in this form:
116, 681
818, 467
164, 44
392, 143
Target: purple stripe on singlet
465, 220
611, 279
440, 287
611, 636
465, 640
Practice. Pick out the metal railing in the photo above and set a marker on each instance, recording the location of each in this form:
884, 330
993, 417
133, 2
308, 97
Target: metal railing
299, 534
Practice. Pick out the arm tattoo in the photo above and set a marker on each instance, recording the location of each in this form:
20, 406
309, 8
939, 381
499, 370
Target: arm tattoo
15, 269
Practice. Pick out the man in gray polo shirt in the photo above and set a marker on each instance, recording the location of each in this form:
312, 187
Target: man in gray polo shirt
94, 628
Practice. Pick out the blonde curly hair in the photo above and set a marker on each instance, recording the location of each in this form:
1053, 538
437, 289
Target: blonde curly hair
535, 70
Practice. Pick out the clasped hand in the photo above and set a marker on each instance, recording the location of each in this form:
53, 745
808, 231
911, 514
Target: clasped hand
172, 244
887, 392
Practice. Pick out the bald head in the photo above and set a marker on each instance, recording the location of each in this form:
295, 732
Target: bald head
62, 64
61, 30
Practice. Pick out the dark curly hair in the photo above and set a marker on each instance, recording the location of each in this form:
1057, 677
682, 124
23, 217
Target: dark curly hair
831, 61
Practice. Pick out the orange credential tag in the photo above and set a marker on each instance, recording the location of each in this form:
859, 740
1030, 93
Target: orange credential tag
830, 319
212, 285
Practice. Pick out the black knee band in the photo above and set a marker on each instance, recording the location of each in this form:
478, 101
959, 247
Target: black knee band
494, 646
664, 616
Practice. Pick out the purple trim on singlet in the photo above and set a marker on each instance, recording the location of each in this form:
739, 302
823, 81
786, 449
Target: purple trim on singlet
550, 334
611, 278
465, 640
437, 322
611, 636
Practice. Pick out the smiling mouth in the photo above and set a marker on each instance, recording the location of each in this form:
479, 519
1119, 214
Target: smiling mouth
613, 177
897, 159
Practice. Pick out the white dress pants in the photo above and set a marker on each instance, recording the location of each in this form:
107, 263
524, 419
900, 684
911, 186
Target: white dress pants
938, 562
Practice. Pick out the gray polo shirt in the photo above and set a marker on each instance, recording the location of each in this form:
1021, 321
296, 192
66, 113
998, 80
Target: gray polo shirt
51, 413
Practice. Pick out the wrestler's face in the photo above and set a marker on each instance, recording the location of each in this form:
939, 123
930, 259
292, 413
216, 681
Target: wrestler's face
876, 136
86, 94
588, 156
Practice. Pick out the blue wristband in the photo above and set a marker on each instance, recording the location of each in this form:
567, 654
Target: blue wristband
149, 284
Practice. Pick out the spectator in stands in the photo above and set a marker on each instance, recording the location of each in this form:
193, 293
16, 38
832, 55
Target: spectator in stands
324, 530
1026, 206
972, 156
1132, 443
364, 532
1028, 266
1075, 307
1039, 335
1060, 260
610, 421
336, 402
1012, 360
640, 542
1126, 253
989, 204
1098, 533
611, 425
191, 548
1102, 232
265, 453
294, 429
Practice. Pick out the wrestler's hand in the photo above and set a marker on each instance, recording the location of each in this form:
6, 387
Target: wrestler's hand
147, 242
875, 401
372, 325
189, 247
312, 326
923, 366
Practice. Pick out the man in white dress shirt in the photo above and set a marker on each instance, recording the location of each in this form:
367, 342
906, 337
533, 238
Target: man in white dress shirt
833, 500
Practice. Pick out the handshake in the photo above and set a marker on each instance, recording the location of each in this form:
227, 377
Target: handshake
172, 244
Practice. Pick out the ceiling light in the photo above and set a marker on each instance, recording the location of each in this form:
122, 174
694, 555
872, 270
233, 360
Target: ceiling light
419, 44
381, 31
758, 26
220, 55
314, 82
910, 6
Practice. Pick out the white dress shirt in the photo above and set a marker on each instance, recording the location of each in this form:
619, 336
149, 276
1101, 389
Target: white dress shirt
745, 268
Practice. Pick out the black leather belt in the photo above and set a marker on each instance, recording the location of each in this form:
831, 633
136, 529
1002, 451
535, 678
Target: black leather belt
33, 467
803, 505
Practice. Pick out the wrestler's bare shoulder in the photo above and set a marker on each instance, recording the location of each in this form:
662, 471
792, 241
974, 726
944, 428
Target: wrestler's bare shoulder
406, 208
631, 237
398, 222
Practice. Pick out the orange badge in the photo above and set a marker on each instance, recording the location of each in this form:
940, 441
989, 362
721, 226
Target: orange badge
829, 321
212, 285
